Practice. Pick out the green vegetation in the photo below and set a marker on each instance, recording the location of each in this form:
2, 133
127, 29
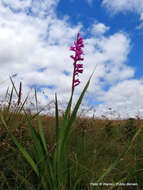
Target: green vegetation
41, 152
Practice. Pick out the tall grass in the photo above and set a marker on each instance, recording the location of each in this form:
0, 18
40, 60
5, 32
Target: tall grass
92, 156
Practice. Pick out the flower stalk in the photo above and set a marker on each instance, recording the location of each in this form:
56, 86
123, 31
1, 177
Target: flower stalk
19, 94
78, 68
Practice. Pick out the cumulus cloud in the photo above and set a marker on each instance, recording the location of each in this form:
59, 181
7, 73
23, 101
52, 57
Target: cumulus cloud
99, 29
116, 6
110, 54
35, 45
125, 99
34, 7
30, 44
124, 5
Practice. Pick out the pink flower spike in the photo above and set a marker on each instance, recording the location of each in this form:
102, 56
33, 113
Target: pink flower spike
78, 68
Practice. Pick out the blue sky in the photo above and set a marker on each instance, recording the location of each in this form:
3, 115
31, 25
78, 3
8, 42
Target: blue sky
87, 13
35, 37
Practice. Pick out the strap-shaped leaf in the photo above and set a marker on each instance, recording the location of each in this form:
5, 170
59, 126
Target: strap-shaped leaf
57, 118
9, 104
21, 149
26, 155
42, 135
73, 115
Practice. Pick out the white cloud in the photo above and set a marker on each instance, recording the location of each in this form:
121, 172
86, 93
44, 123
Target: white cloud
124, 5
125, 98
24, 51
116, 6
141, 24
16, 4
141, 17
36, 47
39, 8
99, 29
116, 47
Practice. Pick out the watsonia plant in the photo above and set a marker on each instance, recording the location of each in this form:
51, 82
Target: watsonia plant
54, 172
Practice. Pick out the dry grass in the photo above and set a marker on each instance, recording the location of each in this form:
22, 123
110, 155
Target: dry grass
94, 144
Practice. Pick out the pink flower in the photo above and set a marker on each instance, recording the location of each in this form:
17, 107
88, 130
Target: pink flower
78, 68
76, 82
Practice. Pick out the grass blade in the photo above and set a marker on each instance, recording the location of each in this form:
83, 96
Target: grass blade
42, 158
36, 100
6, 92
21, 149
26, 155
22, 106
73, 115
119, 157
36, 139
9, 104
61, 149
67, 113
42, 135
57, 117
14, 86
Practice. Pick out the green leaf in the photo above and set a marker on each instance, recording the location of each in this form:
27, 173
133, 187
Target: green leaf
73, 115
36, 100
22, 106
42, 152
36, 139
7, 92
60, 154
26, 155
42, 135
57, 118
14, 86
21, 149
65, 119
9, 104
